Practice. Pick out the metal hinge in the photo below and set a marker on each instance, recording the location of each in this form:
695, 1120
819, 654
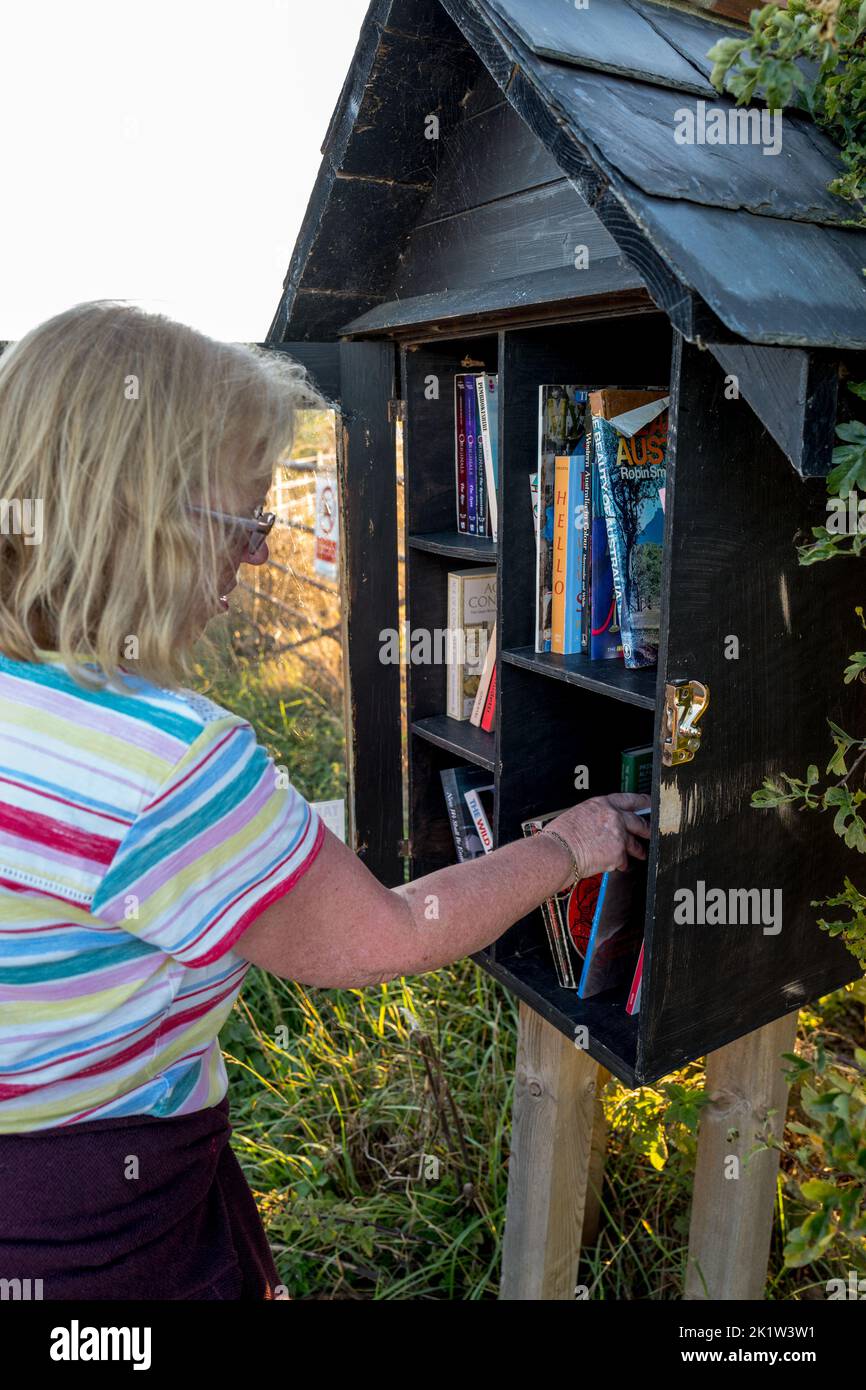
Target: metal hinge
404, 849
396, 411
685, 704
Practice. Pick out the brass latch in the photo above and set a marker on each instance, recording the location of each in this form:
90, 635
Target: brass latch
396, 412
685, 703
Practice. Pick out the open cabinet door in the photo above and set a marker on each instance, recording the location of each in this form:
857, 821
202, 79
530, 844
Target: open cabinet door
770, 640
358, 380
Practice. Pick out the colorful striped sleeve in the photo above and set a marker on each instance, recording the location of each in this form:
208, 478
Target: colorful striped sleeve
224, 837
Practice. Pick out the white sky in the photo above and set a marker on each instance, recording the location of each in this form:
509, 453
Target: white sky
162, 153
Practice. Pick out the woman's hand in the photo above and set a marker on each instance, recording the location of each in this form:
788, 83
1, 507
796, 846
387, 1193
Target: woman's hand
604, 831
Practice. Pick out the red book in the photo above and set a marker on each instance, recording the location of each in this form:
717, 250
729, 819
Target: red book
633, 1004
489, 705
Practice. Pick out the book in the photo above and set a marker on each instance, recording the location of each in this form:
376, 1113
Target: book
479, 814
487, 672
470, 408
630, 443
460, 452
603, 625
456, 782
486, 387
633, 1001
471, 615
559, 548
636, 765
563, 423
488, 718
567, 916
617, 931
576, 554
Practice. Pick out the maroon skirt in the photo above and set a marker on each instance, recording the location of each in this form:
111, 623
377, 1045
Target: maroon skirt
135, 1208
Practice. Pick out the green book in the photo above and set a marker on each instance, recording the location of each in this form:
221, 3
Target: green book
636, 769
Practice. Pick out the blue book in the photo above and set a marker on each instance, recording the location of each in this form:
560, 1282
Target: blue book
617, 931
604, 633
575, 549
630, 444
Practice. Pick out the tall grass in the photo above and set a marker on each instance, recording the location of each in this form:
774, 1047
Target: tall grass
374, 1124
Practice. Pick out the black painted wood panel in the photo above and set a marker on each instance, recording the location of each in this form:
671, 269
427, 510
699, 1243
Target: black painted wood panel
524, 234
734, 510
367, 475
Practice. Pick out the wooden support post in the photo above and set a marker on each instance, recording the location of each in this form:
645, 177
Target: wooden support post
553, 1153
732, 1215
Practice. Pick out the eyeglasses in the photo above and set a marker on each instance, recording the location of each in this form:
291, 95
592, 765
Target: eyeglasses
260, 525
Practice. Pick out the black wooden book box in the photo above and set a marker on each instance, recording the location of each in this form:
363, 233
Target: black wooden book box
501, 186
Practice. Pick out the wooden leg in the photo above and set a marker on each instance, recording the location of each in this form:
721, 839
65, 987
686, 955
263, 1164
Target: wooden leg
555, 1101
733, 1202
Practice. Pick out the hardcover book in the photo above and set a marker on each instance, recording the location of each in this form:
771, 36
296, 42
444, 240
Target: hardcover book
630, 444
636, 765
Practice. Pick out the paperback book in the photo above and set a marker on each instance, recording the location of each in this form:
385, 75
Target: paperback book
457, 784
563, 426
475, 452
567, 917
471, 615
630, 445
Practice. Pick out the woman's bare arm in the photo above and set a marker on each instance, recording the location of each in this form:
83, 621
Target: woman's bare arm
339, 927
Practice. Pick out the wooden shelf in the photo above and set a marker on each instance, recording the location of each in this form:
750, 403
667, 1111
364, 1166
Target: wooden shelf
459, 737
605, 677
457, 544
613, 1033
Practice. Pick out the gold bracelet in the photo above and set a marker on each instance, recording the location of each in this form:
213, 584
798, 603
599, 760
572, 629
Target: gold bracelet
576, 869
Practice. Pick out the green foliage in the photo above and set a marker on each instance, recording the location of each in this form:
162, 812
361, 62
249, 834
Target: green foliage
847, 476
769, 62
829, 1161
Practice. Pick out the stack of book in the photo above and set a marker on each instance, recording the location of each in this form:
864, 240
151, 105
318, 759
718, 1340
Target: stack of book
595, 929
598, 507
476, 413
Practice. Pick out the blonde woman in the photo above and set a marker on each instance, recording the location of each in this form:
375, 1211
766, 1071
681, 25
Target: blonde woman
148, 849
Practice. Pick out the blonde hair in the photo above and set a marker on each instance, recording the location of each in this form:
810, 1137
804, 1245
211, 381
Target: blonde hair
114, 422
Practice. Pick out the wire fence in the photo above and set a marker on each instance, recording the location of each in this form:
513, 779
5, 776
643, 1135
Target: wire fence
295, 611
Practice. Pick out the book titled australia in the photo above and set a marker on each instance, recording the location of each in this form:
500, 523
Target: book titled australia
630, 437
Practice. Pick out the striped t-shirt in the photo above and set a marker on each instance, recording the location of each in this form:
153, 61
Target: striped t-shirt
140, 834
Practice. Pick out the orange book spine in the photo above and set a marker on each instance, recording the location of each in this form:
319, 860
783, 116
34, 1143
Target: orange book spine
560, 542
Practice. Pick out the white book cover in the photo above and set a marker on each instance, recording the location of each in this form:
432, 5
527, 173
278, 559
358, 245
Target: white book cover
471, 615
486, 676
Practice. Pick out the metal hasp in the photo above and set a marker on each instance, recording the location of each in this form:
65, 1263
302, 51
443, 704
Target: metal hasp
685, 704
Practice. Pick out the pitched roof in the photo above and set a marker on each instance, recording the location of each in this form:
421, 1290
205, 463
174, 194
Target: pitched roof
754, 236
